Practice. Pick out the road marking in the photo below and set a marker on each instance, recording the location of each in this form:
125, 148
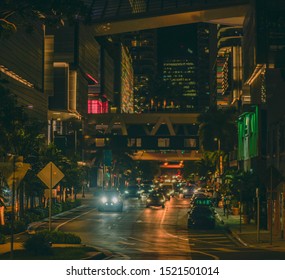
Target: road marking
206, 254
141, 240
62, 224
126, 243
224, 250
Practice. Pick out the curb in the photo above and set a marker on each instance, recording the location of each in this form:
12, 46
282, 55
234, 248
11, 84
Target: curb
236, 237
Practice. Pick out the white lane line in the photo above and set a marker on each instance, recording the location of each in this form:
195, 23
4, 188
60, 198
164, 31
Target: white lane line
62, 224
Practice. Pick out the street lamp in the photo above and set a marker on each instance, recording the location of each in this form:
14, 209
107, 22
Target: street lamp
13, 208
220, 162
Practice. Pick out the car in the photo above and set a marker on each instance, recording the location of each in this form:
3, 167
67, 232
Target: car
188, 190
155, 198
146, 189
110, 200
201, 217
132, 191
167, 190
202, 201
178, 188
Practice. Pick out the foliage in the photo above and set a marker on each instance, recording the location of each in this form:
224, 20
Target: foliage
2, 238
207, 165
38, 244
19, 134
19, 226
67, 205
218, 126
148, 169
29, 12
241, 185
59, 237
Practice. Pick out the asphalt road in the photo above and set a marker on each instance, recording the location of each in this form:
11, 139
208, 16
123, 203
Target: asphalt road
154, 233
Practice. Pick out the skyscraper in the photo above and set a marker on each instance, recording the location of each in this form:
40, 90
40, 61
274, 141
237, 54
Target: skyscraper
177, 63
142, 46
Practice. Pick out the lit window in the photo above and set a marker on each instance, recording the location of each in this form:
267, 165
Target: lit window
97, 106
163, 142
134, 142
99, 142
190, 142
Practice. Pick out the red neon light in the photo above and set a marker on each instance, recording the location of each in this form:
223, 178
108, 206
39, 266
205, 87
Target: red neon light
92, 78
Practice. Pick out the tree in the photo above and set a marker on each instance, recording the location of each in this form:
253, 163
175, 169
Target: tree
241, 185
28, 12
148, 169
20, 136
207, 165
218, 129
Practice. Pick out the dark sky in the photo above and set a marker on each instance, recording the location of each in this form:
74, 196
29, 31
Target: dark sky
176, 40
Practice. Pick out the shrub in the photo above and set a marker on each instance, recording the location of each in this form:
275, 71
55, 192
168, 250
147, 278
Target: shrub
60, 237
19, 226
67, 205
38, 244
2, 238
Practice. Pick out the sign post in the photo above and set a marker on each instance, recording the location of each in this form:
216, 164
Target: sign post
50, 175
258, 215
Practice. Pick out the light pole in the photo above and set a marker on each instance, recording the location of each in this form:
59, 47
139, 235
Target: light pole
220, 162
13, 208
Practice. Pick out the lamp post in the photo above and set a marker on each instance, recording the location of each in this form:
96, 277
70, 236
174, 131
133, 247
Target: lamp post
13, 208
220, 162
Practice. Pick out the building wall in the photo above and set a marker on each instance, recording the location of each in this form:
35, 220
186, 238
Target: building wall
21, 64
127, 79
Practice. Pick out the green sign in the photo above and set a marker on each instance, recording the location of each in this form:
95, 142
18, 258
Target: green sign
203, 202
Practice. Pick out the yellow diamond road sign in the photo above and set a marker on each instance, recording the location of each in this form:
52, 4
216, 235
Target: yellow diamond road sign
50, 175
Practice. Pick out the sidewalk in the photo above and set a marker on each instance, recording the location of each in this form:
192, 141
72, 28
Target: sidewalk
4, 248
247, 234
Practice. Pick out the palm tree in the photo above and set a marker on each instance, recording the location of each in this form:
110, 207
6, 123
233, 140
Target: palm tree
241, 185
207, 165
20, 136
218, 134
218, 130
26, 13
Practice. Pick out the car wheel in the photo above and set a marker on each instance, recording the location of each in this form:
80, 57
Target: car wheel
163, 206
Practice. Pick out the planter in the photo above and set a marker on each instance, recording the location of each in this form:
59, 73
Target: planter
235, 210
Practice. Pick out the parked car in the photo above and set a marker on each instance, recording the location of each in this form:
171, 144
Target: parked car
133, 191
155, 198
201, 217
110, 200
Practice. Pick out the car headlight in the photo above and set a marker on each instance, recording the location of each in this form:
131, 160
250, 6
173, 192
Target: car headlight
162, 200
148, 200
184, 190
104, 199
115, 199
126, 192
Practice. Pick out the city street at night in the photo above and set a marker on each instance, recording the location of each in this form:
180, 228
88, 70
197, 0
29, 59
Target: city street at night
155, 234
142, 130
